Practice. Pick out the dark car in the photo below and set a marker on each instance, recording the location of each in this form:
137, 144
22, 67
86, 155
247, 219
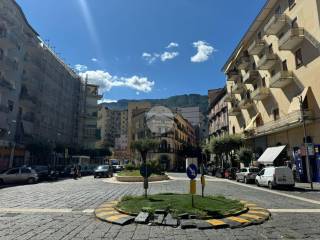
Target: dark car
117, 168
103, 171
45, 173
230, 173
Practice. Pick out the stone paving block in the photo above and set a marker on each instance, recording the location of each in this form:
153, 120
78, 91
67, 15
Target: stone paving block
143, 217
188, 224
158, 218
170, 221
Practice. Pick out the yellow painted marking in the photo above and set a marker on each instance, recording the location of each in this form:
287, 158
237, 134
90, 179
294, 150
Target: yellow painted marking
111, 213
104, 209
215, 222
239, 220
259, 212
251, 216
115, 218
257, 208
250, 205
243, 202
108, 205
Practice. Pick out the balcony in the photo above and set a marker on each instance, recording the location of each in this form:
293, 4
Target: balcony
291, 120
234, 110
251, 76
246, 103
275, 24
267, 61
244, 63
238, 88
260, 93
256, 47
291, 39
229, 97
233, 76
281, 79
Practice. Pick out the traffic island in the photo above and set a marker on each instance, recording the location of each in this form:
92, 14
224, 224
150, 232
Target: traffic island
135, 176
175, 210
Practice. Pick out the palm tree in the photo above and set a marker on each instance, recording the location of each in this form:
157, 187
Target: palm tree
143, 146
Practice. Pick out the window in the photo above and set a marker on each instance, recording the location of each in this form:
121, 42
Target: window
259, 35
25, 170
233, 130
276, 114
1, 54
263, 82
294, 22
278, 10
298, 57
270, 48
13, 171
284, 65
291, 3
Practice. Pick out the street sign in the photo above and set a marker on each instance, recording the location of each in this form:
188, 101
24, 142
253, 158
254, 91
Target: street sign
192, 171
145, 171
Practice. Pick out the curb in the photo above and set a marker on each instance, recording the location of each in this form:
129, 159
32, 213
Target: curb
253, 215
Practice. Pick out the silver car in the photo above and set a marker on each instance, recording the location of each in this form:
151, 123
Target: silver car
247, 174
19, 175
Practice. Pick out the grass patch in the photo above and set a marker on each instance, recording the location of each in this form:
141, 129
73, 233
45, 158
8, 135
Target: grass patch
217, 206
131, 173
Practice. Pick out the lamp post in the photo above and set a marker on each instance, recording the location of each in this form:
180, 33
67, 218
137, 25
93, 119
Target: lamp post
305, 142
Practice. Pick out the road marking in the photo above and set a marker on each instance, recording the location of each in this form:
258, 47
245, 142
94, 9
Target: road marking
88, 211
35, 210
237, 219
294, 210
216, 222
259, 212
277, 193
116, 217
251, 216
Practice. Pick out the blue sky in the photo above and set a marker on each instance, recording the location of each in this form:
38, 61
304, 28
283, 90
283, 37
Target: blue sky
123, 44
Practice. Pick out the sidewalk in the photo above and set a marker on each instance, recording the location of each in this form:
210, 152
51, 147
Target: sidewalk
307, 187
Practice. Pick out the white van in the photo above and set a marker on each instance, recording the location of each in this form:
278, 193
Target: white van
275, 176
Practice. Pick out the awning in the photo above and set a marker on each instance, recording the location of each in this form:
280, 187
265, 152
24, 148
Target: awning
295, 103
250, 125
270, 154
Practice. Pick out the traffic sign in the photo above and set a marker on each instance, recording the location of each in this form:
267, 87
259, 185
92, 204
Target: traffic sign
192, 171
145, 171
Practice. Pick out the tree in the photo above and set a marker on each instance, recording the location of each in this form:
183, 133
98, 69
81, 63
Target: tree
245, 156
143, 146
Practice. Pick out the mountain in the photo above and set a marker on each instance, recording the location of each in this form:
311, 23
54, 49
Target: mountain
187, 100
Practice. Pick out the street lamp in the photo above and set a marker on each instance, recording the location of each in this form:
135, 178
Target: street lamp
305, 142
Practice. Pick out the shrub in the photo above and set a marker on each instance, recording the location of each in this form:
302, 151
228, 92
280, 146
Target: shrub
245, 155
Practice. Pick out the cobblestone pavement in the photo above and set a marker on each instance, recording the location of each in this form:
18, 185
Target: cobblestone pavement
20, 217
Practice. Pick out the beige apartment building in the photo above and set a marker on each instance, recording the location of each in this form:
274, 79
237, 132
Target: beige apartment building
217, 113
275, 64
41, 98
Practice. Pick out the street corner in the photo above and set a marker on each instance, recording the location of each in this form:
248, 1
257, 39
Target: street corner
108, 212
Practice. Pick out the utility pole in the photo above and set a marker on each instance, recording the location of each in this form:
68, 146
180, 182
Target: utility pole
305, 142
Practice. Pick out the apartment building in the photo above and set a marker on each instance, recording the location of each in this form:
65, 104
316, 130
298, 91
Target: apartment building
217, 113
41, 98
274, 68
172, 142
113, 125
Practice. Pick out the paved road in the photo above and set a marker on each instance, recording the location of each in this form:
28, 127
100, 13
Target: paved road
63, 210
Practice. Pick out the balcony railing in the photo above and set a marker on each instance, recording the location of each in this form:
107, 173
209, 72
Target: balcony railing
256, 47
260, 93
246, 103
291, 39
238, 88
285, 122
281, 79
275, 24
251, 76
244, 63
267, 61
233, 76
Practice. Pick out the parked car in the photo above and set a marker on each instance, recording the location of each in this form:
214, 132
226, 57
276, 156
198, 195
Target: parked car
275, 176
117, 168
45, 173
230, 173
103, 171
247, 174
19, 175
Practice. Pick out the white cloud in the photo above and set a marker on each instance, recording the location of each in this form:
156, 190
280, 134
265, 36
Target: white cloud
106, 100
204, 51
80, 68
94, 60
150, 58
106, 81
172, 45
168, 56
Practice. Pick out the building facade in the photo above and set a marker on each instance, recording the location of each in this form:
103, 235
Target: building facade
273, 75
217, 113
41, 98
172, 142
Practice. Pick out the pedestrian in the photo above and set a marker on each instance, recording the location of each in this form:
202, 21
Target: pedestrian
79, 171
75, 172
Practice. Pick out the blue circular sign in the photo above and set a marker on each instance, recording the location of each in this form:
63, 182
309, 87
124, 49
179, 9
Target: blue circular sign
192, 171
145, 171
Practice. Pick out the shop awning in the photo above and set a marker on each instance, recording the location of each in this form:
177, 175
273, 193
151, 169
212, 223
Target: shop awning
270, 154
251, 123
295, 103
